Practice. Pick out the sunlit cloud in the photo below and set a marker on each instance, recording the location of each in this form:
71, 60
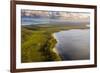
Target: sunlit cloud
57, 15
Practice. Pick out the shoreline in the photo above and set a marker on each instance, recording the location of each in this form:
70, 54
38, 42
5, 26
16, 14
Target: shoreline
55, 49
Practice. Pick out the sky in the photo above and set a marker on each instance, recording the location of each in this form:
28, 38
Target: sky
63, 15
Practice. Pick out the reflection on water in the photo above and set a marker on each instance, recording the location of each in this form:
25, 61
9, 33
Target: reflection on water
73, 44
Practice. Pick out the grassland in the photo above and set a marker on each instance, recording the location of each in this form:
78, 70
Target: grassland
37, 42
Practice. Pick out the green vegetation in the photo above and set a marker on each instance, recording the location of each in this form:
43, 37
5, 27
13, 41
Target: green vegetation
37, 42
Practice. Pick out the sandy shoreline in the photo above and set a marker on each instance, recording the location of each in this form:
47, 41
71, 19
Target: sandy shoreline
55, 49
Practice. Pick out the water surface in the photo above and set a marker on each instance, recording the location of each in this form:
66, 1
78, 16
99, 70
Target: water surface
73, 44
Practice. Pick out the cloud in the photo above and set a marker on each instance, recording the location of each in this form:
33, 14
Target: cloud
56, 15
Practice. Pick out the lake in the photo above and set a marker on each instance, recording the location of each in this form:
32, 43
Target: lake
73, 44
